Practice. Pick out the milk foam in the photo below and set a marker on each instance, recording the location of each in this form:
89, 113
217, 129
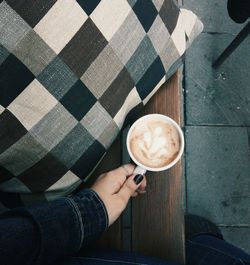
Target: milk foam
154, 143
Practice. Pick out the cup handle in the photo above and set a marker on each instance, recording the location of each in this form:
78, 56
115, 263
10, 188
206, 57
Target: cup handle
139, 170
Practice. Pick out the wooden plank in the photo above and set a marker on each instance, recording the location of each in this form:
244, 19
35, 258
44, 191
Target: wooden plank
158, 216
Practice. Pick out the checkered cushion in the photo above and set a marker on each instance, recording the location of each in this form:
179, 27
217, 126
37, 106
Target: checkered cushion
70, 72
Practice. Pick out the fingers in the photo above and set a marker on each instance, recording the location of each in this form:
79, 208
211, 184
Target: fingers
130, 187
112, 181
119, 175
124, 170
142, 188
135, 194
143, 185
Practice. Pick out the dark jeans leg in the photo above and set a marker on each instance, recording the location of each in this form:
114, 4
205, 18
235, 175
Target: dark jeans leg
206, 250
201, 250
103, 257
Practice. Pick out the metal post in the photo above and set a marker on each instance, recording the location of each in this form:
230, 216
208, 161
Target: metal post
233, 45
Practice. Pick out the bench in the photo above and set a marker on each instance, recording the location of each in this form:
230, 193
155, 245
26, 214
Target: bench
152, 224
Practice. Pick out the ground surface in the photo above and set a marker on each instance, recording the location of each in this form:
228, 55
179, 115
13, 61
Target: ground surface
217, 125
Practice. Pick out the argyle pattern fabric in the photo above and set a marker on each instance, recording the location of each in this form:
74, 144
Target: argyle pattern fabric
70, 72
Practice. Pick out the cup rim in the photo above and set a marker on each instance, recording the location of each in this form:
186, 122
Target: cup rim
168, 119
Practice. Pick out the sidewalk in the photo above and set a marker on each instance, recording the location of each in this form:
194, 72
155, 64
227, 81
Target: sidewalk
217, 125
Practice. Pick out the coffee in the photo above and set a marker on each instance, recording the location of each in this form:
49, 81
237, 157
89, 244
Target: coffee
154, 142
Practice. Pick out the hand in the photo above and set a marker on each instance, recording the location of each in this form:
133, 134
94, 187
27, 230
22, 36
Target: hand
116, 187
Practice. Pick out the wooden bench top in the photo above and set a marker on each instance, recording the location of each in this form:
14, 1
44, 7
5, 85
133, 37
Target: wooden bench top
153, 224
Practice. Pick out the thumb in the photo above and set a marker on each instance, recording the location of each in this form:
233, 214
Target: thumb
130, 186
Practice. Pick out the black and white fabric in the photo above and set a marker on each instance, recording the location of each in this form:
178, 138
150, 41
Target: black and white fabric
70, 72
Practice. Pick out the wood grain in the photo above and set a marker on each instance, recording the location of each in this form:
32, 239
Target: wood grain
158, 216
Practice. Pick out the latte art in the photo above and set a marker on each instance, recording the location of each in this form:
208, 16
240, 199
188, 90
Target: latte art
154, 143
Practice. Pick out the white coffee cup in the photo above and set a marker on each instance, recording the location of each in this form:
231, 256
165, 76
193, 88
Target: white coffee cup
142, 169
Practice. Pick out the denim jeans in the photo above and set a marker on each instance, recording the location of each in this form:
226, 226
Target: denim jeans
201, 250
53, 233
44, 233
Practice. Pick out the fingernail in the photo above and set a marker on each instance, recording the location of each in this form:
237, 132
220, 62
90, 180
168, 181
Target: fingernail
138, 179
